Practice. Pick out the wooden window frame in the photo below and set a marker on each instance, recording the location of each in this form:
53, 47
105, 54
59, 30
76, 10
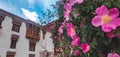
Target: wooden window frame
31, 55
32, 31
1, 19
10, 54
32, 45
16, 25
13, 44
15, 28
14, 39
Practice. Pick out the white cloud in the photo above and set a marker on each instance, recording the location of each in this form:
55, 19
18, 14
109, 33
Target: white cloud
30, 15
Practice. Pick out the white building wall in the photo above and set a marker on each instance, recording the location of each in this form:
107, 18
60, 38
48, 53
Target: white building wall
49, 42
5, 36
22, 46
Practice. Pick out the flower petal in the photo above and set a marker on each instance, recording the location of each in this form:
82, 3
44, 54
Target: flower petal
101, 10
72, 2
85, 47
116, 22
113, 13
75, 42
68, 6
113, 55
80, 1
110, 34
107, 28
96, 21
76, 52
60, 29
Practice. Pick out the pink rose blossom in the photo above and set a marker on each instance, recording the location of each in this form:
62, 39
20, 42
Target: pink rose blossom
85, 47
68, 6
107, 19
113, 55
110, 34
80, 1
76, 52
67, 15
76, 1
70, 30
75, 41
68, 9
60, 29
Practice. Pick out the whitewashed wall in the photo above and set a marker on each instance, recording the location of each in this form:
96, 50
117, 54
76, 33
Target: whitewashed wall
22, 46
49, 42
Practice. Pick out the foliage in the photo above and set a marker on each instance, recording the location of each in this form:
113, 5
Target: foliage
99, 42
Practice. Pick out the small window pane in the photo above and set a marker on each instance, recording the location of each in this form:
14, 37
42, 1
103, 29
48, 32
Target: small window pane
13, 44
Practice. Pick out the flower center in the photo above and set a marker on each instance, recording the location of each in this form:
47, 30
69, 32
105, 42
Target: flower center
72, 30
106, 18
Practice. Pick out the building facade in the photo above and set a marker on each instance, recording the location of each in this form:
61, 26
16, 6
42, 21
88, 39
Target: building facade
24, 38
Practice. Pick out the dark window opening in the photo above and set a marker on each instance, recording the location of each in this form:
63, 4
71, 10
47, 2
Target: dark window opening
10, 54
16, 28
14, 39
1, 19
13, 44
32, 48
32, 45
0, 24
31, 55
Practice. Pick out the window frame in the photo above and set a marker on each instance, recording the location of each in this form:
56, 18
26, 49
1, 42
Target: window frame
10, 54
31, 55
13, 44
1, 20
14, 39
32, 45
15, 28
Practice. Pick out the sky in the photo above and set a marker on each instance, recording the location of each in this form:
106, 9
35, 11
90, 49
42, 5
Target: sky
28, 9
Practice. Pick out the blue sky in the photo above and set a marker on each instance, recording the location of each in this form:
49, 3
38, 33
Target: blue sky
28, 9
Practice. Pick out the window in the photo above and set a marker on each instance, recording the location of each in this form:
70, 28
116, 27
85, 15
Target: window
32, 45
32, 31
13, 44
16, 25
31, 55
10, 54
15, 28
0, 24
14, 39
1, 19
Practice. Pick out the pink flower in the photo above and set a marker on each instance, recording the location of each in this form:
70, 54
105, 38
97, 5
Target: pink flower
75, 41
76, 52
68, 8
60, 29
113, 55
70, 30
85, 47
76, 1
67, 15
110, 34
107, 19
80, 1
